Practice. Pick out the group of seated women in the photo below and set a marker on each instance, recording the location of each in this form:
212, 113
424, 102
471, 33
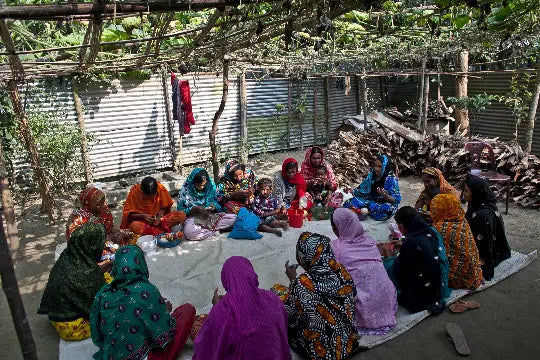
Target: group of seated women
349, 287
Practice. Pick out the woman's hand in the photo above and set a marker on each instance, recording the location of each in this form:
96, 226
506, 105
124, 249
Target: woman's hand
168, 305
216, 297
290, 271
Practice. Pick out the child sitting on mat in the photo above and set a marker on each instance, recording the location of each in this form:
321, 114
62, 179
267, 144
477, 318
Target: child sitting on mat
319, 188
266, 207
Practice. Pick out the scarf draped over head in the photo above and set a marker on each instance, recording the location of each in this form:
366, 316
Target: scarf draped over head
444, 186
487, 226
370, 184
136, 202
449, 220
376, 302
75, 277
297, 180
482, 196
89, 199
321, 302
309, 172
247, 323
189, 196
353, 244
129, 316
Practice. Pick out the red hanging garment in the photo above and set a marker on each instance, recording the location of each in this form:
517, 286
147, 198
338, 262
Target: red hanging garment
187, 110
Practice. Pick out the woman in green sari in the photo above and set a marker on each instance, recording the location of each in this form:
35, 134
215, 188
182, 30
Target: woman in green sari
129, 317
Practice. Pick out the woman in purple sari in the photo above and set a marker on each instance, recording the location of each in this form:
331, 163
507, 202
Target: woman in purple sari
247, 322
376, 302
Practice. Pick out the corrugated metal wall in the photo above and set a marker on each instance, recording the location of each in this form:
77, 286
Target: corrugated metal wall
495, 121
206, 93
341, 105
129, 123
267, 127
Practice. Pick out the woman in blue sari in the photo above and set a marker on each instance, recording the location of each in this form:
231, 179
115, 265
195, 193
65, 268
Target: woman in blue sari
379, 192
198, 199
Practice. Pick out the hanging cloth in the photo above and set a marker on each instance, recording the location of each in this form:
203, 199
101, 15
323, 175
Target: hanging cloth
182, 110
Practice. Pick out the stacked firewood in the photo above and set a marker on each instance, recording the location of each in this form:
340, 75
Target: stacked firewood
353, 153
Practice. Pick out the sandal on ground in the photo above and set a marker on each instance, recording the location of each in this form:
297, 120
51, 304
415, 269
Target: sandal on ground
461, 306
456, 337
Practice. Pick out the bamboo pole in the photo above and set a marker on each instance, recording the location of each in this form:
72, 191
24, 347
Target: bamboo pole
532, 115
84, 143
243, 118
421, 96
462, 115
13, 297
426, 104
364, 97
213, 133
327, 119
51, 11
315, 115
7, 205
289, 113
168, 118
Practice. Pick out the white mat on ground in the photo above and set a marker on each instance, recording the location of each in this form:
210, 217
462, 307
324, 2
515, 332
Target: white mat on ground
191, 271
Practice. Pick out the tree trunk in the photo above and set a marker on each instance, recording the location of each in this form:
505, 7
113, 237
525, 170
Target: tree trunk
532, 115
363, 85
315, 114
289, 113
327, 119
28, 139
421, 97
426, 104
84, 143
462, 115
212, 134
244, 152
7, 205
13, 296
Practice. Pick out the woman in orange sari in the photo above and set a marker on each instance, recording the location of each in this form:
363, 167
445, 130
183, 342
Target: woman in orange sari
465, 270
147, 210
434, 184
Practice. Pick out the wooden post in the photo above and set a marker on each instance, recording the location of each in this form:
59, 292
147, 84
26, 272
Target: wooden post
13, 296
347, 85
363, 85
358, 95
84, 143
212, 134
327, 119
382, 85
243, 118
421, 97
462, 115
532, 114
315, 115
426, 104
7, 205
289, 113
24, 128
170, 124
299, 114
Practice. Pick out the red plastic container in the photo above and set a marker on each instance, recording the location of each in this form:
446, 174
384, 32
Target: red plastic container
295, 204
296, 218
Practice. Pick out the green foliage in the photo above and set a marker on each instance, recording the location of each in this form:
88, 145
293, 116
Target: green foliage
58, 142
475, 103
519, 98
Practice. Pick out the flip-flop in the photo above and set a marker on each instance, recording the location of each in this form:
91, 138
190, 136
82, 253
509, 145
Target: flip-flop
461, 306
456, 337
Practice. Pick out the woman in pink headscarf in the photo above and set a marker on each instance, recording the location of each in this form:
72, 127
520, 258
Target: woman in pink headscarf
376, 302
246, 323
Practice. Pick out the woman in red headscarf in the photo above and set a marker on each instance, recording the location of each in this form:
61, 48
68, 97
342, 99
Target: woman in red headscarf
93, 208
290, 185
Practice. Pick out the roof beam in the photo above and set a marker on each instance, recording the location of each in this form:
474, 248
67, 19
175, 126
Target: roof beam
51, 11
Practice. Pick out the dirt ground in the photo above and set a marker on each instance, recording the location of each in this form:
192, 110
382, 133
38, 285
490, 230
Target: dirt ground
506, 326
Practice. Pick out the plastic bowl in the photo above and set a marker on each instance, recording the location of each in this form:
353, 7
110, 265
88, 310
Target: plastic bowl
164, 243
